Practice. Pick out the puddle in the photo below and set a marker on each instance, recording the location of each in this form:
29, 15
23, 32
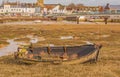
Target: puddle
105, 36
66, 37
11, 48
13, 45
35, 39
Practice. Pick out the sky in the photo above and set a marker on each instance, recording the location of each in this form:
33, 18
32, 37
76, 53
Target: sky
85, 2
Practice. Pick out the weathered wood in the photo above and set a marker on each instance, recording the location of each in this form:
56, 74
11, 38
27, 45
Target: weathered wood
65, 49
48, 50
97, 55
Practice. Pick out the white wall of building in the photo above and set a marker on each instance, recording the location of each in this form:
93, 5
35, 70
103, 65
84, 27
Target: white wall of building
30, 10
56, 10
9, 9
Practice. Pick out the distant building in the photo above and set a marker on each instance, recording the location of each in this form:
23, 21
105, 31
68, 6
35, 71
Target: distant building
49, 8
115, 9
55, 9
39, 8
88, 9
83, 9
19, 8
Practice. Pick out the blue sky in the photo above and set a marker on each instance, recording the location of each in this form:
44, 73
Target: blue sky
86, 2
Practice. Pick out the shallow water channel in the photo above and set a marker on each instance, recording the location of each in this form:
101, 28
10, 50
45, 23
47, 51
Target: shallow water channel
13, 45
9, 49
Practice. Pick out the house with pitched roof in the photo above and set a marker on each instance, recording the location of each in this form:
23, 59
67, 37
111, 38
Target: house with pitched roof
54, 8
82, 9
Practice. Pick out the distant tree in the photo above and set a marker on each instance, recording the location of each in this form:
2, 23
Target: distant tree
107, 7
72, 5
79, 5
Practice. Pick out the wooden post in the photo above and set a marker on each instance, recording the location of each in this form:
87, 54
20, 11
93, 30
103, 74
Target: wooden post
64, 48
65, 55
31, 48
48, 50
98, 53
77, 19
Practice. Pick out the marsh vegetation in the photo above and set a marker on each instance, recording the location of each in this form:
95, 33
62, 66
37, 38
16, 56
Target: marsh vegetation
108, 64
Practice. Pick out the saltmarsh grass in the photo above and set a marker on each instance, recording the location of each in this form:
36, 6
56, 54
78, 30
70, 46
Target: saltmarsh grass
108, 64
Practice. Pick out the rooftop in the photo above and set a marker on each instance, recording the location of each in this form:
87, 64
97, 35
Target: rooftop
115, 6
50, 6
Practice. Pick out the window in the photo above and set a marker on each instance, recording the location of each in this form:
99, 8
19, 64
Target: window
7, 11
11, 9
118, 11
